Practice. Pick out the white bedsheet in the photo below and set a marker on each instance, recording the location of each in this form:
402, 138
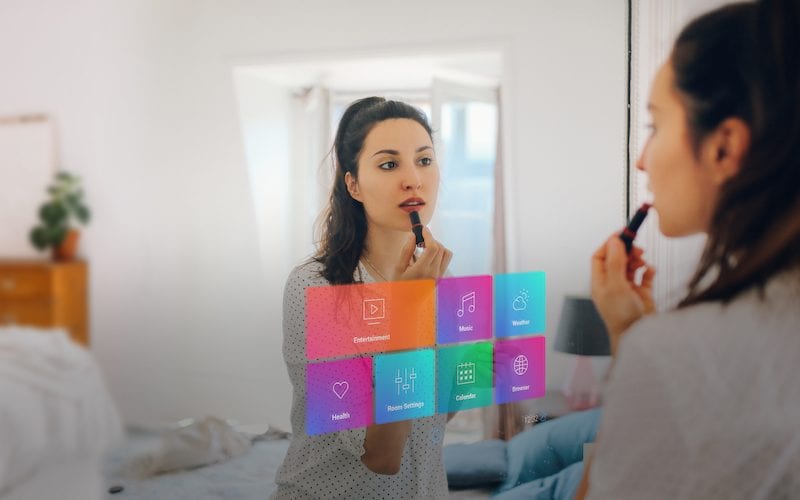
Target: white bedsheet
54, 406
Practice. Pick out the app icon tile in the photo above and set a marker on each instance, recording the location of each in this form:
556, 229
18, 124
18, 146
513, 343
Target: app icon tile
404, 386
520, 305
464, 375
463, 309
338, 395
345, 320
519, 369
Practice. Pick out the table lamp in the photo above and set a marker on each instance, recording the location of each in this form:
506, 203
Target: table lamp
582, 332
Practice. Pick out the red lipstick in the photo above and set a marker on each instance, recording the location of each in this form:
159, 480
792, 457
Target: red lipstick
629, 233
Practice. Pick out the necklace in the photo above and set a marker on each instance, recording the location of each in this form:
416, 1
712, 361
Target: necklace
367, 261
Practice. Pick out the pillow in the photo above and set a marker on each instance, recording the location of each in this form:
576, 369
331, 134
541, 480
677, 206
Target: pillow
475, 464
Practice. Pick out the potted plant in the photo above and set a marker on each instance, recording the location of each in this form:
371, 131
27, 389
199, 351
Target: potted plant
58, 215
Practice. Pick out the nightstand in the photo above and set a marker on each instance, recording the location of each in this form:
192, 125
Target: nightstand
45, 294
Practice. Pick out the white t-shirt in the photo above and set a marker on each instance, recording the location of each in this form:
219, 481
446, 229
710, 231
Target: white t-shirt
329, 465
704, 403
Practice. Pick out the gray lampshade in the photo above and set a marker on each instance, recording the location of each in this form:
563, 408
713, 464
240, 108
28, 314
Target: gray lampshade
581, 331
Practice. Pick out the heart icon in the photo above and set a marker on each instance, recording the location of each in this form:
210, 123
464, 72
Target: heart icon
340, 388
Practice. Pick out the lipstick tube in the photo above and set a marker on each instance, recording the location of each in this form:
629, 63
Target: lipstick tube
629, 233
416, 227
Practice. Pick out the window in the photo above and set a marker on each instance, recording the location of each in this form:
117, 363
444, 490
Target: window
468, 136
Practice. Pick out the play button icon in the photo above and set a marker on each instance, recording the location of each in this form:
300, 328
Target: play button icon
374, 309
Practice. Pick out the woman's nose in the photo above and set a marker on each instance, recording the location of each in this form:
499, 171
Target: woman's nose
640, 161
412, 181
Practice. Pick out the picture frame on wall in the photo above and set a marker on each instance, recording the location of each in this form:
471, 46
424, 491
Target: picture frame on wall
28, 162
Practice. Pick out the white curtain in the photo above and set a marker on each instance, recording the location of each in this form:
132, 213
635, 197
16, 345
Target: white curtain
310, 170
655, 24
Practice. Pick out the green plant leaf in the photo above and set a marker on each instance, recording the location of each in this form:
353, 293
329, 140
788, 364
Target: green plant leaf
57, 234
65, 203
39, 237
53, 213
72, 202
83, 214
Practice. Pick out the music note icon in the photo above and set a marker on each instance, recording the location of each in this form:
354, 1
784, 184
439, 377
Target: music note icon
469, 301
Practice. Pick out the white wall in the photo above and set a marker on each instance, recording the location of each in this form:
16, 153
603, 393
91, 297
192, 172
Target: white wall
185, 319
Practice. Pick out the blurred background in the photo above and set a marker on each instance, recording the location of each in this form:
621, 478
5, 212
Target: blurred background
201, 130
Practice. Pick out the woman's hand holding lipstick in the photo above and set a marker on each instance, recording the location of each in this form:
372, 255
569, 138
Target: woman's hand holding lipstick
620, 298
431, 264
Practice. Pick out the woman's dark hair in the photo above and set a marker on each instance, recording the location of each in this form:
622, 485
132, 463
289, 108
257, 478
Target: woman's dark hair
344, 224
742, 60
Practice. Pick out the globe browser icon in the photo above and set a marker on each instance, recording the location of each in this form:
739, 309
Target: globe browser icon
520, 364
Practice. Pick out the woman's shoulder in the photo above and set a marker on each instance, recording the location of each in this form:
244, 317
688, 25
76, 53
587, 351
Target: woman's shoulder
735, 355
307, 273
754, 314
311, 268
304, 275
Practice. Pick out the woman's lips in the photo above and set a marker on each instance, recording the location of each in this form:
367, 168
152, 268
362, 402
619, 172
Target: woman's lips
412, 204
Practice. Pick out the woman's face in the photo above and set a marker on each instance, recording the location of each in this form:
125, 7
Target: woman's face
684, 186
397, 174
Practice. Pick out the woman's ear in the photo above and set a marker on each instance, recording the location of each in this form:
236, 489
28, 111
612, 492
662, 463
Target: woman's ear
352, 186
726, 148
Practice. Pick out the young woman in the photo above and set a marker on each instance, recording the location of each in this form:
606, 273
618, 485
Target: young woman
703, 401
385, 167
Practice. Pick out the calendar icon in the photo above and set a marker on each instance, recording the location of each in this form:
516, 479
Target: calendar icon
465, 373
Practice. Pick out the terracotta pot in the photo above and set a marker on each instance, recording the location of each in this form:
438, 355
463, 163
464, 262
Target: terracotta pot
69, 247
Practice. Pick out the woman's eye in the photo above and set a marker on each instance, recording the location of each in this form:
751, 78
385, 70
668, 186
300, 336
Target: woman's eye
387, 165
426, 161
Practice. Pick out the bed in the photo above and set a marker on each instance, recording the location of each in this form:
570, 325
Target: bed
56, 417
249, 476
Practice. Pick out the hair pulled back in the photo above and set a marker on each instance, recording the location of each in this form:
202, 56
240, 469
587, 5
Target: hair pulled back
344, 224
743, 61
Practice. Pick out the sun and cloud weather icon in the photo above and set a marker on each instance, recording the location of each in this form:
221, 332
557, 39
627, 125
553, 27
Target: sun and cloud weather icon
521, 301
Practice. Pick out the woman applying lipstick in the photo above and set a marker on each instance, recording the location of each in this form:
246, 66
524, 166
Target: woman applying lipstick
385, 168
703, 401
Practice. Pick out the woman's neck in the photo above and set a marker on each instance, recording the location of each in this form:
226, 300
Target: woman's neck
382, 249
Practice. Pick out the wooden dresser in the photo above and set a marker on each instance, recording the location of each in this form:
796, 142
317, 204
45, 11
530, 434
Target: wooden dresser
45, 294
